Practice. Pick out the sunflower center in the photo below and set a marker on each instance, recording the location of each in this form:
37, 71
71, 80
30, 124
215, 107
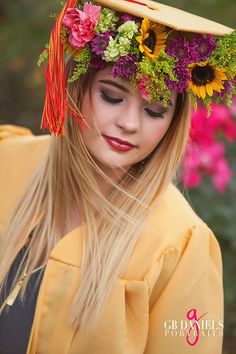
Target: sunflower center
201, 75
150, 42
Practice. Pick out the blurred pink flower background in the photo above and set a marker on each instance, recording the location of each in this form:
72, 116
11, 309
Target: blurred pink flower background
206, 149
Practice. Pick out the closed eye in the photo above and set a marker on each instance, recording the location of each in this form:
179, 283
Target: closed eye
109, 99
155, 114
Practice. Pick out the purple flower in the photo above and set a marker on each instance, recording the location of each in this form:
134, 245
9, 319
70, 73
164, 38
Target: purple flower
97, 63
126, 17
100, 42
180, 49
183, 76
125, 66
227, 89
203, 45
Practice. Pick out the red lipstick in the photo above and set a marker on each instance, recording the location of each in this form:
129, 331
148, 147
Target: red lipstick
118, 144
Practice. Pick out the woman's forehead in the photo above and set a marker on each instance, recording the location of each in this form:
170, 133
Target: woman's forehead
105, 76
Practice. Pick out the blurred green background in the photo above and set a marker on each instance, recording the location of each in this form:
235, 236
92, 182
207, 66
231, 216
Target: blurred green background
24, 30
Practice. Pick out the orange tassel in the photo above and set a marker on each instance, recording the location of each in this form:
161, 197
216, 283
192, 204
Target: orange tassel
56, 105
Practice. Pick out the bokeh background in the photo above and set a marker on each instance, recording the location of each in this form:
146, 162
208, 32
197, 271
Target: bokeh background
24, 30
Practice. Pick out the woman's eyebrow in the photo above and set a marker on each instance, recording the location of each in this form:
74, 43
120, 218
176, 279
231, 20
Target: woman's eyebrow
113, 83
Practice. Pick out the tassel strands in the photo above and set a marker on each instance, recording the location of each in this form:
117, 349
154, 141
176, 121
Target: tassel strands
56, 105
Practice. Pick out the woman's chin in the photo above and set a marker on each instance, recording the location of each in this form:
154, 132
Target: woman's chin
110, 167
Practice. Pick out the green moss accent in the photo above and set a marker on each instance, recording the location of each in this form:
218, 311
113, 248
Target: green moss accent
43, 56
158, 70
83, 59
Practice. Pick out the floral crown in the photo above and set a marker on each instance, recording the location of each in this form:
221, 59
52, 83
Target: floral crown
153, 57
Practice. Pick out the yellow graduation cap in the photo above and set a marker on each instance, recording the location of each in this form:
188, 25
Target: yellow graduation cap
167, 15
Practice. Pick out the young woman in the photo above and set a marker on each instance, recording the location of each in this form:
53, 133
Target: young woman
100, 252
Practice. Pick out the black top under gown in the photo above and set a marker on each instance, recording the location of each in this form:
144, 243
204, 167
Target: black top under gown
16, 320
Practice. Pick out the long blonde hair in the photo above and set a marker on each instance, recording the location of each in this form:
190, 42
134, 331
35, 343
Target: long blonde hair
64, 182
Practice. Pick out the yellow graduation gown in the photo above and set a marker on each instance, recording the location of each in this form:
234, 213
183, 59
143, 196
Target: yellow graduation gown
168, 275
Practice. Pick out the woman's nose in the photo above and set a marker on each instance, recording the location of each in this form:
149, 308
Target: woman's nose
129, 120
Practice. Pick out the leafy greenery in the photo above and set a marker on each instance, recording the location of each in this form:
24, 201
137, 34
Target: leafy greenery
164, 66
82, 59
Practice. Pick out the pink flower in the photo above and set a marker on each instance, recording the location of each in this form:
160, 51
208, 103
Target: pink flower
142, 86
92, 11
205, 128
192, 179
81, 24
71, 15
222, 175
191, 167
208, 160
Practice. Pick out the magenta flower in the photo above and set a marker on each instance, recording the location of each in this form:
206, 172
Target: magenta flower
204, 153
81, 24
183, 76
222, 175
97, 62
227, 89
206, 160
100, 42
126, 17
191, 176
180, 49
125, 66
203, 45
220, 122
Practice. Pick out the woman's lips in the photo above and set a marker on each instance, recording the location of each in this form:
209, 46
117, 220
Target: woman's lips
118, 144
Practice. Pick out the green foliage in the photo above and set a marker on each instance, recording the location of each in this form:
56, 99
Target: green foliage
157, 71
83, 60
121, 45
44, 55
225, 53
107, 21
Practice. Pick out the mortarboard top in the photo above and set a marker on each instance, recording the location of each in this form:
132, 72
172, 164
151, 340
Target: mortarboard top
167, 15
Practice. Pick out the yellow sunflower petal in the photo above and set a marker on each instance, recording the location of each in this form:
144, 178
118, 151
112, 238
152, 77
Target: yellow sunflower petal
214, 85
223, 70
220, 75
141, 49
219, 84
145, 25
139, 39
202, 92
195, 89
198, 91
209, 89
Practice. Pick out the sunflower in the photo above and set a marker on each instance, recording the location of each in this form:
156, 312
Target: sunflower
152, 38
206, 78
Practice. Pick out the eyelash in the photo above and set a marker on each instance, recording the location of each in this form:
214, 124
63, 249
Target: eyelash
111, 100
155, 114
115, 101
